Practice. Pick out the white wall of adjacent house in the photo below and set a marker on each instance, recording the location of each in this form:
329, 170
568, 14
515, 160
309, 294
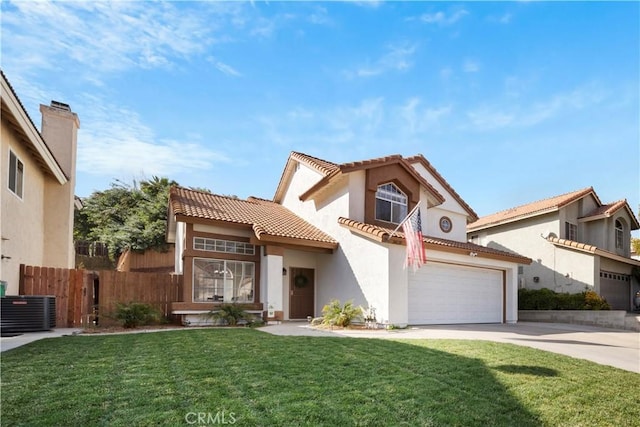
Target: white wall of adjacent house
574, 271
22, 218
526, 237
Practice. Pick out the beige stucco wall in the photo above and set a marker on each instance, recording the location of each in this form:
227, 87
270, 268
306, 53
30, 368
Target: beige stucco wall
22, 225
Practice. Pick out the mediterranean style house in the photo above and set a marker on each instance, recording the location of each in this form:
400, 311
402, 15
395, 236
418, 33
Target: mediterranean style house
329, 234
576, 242
38, 183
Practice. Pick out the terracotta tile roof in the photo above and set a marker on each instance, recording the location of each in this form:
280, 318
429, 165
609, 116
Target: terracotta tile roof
419, 158
322, 166
332, 171
583, 247
531, 209
611, 208
381, 234
267, 219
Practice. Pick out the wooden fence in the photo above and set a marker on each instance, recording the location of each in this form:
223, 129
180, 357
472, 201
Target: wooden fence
83, 296
68, 286
149, 261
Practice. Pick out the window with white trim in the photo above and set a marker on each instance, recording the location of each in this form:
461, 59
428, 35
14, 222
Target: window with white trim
570, 231
391, 204
218, 280
16, 174
619, 235
224, 246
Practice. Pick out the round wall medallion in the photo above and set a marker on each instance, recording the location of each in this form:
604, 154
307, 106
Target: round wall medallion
445, 224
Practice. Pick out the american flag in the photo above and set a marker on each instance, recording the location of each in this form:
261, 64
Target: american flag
412, 227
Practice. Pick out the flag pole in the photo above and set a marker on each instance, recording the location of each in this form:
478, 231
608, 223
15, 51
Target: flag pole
404, 220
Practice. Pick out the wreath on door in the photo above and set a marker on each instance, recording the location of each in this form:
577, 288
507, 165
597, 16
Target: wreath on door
300, 281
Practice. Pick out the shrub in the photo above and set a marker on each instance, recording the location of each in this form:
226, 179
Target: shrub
336, 314
546, 299
230, 314
593, 301
136, 314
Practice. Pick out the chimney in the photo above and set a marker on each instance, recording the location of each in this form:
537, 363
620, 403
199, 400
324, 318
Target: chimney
60, 131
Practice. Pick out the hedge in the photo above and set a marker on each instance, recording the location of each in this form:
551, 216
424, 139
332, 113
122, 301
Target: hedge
546, 299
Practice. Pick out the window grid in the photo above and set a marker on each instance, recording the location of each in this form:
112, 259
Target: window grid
619, 235
571, 231
224, 246
216, 280
391, 203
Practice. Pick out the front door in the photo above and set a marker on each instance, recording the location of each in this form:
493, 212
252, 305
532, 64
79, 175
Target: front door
301, 291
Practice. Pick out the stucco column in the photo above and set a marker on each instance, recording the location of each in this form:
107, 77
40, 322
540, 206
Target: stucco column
273, 277
511, 297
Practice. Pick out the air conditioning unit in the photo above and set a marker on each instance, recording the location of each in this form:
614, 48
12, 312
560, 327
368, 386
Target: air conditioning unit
27, 313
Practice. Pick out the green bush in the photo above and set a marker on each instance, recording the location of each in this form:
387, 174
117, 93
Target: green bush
546, 299
336, 314
229, 314
136, 314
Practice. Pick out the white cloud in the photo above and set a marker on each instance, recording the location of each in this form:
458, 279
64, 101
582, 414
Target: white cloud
471, 66
320, 16
396, 58
223, 68
107, 37
497, 116
113, 142
441, 18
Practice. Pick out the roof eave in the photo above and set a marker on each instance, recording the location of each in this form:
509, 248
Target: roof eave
511, 220
31, 133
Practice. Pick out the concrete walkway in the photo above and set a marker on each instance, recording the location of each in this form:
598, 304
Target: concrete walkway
611, 347
8, 343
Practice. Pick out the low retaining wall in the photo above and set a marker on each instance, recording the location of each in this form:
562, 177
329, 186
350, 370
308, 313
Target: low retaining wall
618, 319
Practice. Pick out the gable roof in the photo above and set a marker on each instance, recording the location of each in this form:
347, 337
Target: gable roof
333, 172
269, 221
606, 211
15, 114
419, 158
382, 234
539, 207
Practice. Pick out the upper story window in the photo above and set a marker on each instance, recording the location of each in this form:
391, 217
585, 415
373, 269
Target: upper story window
16, 174
619, 235
225, 246
570, 231
391, 203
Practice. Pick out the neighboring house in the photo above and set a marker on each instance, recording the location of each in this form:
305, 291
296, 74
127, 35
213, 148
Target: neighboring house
576, 242
327, 234
38, 182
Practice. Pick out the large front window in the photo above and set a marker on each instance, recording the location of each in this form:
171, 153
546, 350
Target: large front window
391, 204
216, 280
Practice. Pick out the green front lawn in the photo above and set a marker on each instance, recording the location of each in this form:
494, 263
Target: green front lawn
248, 377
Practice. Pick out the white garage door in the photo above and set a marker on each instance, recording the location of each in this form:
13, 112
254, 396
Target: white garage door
446, 294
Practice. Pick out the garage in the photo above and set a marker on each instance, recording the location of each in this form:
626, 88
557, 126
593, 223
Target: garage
445, 294
615, 288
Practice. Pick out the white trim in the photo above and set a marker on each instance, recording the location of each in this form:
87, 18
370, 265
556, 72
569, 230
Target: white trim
22, 184
31, 132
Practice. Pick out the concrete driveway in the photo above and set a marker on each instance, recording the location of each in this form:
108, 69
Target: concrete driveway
611, 347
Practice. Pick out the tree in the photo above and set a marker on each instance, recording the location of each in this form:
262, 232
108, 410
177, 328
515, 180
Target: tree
635, 246
126, 216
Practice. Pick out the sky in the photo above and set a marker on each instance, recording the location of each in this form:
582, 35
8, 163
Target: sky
511, 102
